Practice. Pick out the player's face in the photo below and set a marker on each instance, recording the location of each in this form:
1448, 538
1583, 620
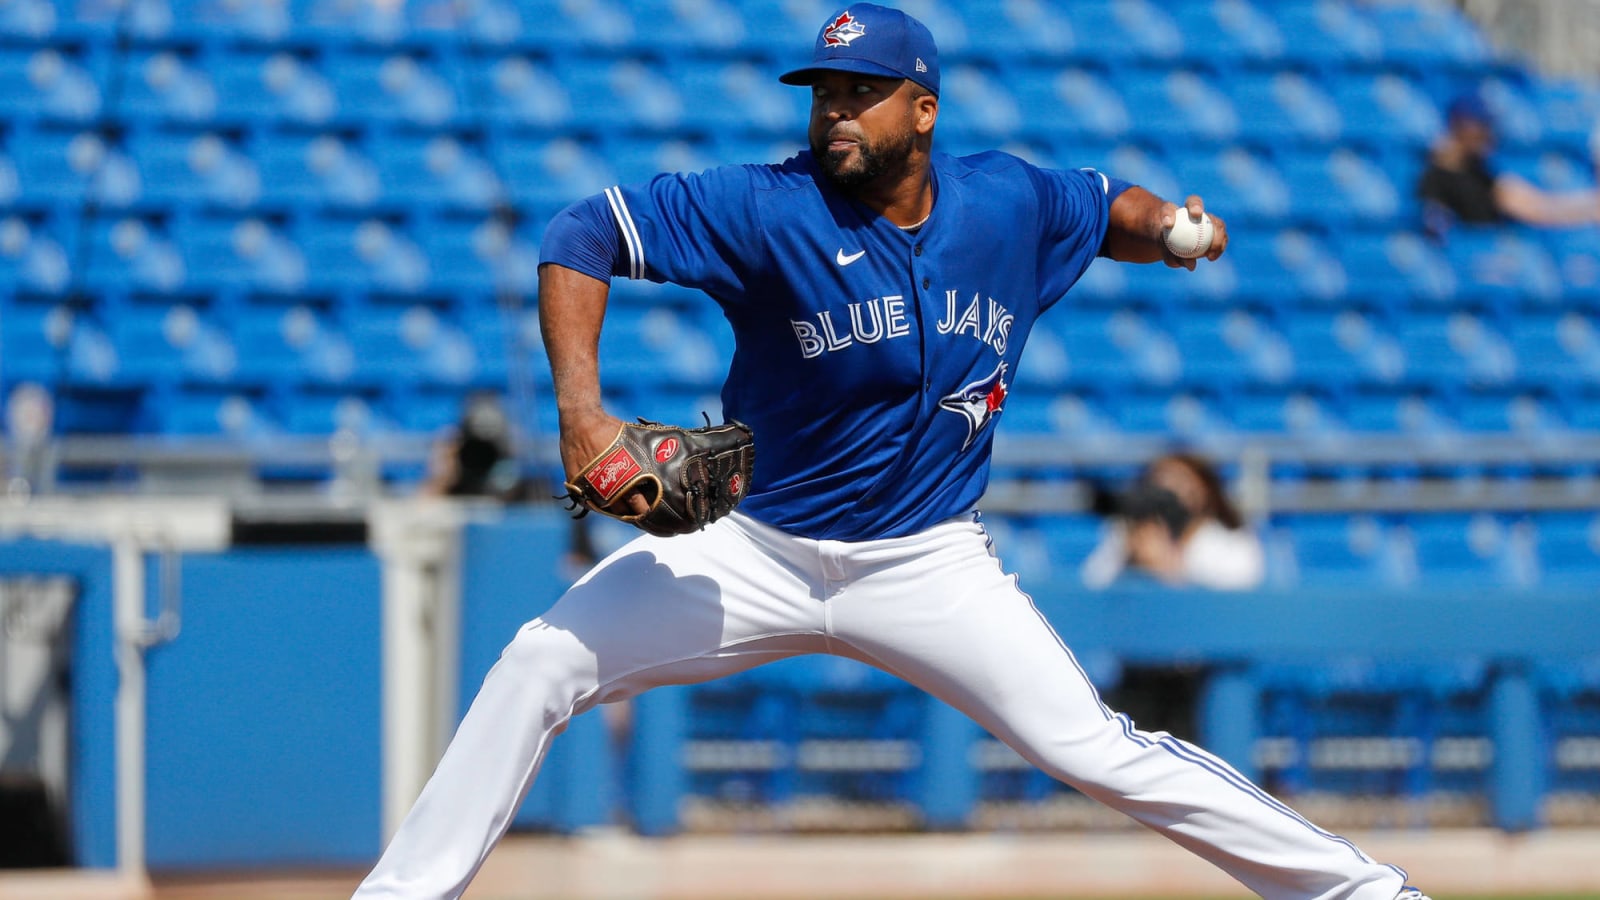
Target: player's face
862, 128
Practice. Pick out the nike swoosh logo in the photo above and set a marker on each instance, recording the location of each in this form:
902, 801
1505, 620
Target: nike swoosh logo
843, 260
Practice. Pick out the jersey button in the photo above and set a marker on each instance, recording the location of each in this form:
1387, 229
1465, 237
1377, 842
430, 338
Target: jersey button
917, 250
925, 283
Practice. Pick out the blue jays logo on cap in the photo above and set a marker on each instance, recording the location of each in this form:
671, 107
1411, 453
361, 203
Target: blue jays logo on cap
843, 30
872, 40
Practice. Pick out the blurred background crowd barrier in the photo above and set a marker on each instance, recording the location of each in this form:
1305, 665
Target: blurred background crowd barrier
261, 262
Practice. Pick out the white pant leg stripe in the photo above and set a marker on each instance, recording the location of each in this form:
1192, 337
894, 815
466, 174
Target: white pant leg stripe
1227, 773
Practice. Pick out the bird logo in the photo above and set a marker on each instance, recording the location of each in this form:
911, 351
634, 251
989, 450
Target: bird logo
978, 402
842, 30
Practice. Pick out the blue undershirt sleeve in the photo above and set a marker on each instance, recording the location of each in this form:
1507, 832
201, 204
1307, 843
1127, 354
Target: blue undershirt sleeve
584, 237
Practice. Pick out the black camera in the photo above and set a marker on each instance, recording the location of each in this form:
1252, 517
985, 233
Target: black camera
1143, 502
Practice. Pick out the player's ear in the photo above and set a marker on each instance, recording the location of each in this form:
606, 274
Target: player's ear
925, 111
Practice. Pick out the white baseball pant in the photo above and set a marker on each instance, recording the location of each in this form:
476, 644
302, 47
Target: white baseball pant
934, 608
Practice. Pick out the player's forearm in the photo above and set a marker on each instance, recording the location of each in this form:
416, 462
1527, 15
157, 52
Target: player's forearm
572, 306
1133, 233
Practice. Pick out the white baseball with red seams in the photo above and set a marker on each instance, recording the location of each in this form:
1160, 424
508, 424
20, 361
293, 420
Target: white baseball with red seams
1187, 238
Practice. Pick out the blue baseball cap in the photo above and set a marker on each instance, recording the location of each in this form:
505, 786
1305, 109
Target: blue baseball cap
1469, 107
873, 40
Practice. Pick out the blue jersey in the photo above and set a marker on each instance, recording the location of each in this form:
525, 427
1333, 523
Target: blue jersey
871, 362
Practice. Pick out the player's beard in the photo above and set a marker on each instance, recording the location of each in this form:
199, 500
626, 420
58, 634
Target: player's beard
871, 160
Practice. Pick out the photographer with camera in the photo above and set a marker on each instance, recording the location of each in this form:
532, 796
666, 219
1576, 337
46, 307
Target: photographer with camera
1177, 525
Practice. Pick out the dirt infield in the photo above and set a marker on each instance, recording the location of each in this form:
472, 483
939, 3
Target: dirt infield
1450, 864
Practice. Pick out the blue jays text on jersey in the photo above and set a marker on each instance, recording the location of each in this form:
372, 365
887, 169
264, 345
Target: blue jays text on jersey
871, 361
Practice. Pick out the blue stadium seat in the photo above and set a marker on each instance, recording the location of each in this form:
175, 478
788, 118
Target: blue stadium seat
1576, 254
403, 345
1124, 30
273, 87
166, 86
28, 20
133, 254
1341, 349
1454, 349
1498, 412
219, 413
637, 159
1568, 108
1397, 266
1046, 365
1344, 180
249, 254
1517, 123
34, 256
230, 20
1163, 413
1287, 267
1454, 548
1179, 107
659, 346
1250, 183
407, 89
1339, 549
171, 344
64, 167
598, 27
290, 346
441, 171
981, 105
47, 84
1343, 33
1568, 547
1231, 32
343, 21
1142, 166
550, 174
737, 96
1429, 35
467, 256
35, 336
517, 91
324, 412
1387, 108
1217, 347
1300, 414
1502, 266
365, 255
1069, 104
1029, 28
319, 170
624, 93
1560, 350
188, 169
1098, 343
1284, 108
1415, 414
710, 27
91, 356
1550, 168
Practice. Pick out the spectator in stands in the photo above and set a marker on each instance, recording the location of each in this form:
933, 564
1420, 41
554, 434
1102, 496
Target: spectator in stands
475, 459
1461, 184
1176, 525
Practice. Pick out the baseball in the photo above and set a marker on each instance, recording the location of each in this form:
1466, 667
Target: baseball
1186, 238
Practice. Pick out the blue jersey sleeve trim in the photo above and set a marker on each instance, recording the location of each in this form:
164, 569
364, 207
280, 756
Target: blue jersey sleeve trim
585, 237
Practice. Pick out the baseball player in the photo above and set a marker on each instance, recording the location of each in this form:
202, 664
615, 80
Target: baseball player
880, 294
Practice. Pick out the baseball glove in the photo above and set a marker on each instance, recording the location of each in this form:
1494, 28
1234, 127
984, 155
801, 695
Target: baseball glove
690, 476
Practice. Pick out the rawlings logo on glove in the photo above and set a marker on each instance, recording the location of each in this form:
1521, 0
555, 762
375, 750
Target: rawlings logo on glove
689, 476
